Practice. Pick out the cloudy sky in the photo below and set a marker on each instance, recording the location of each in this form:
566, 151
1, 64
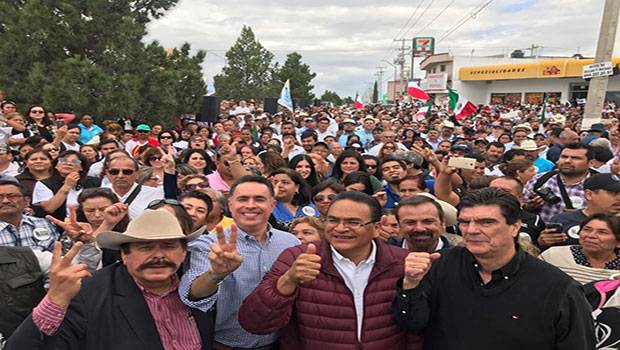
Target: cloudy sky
344, 41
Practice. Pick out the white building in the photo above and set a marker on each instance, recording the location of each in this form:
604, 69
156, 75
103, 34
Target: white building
499, 79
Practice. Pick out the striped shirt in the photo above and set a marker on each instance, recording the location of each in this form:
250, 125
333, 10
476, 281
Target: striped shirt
257, 261
574, 191
32, 232
176, 327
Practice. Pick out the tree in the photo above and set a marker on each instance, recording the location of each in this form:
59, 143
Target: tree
88, 57
348, 100
331, 96
299, 74
248, 72
375, 93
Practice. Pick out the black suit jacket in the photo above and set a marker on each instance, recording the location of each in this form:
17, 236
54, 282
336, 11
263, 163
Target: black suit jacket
109, 313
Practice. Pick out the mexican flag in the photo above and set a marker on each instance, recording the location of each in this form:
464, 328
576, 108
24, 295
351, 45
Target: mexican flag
421, 113
358, 102
460, 106
416, 92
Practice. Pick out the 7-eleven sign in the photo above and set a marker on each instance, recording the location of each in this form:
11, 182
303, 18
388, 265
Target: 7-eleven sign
423, 47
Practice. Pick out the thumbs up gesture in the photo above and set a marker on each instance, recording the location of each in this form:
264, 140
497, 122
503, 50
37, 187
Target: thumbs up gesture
305, 269
416, 267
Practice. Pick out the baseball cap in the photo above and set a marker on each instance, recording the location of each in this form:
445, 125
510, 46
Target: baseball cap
143, 127
607, 182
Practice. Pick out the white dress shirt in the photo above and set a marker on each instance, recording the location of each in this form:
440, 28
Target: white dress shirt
356, 279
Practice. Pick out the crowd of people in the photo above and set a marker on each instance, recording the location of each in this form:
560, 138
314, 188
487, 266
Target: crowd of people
330, 227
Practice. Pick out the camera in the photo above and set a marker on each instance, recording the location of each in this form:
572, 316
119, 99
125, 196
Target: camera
548, 196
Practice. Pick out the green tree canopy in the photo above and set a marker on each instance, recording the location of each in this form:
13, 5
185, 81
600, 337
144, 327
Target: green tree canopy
300, 75
331, 96
88, 57
249, 68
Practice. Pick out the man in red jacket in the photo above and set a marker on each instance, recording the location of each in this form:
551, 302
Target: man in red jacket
334, 293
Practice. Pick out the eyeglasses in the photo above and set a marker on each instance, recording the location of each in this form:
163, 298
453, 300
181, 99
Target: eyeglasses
165, 137
198, 186
353, 224
371, 166
322, 198
10, 196
158, 202
74, 162
126, 172
154, 158
51, 149
38, 111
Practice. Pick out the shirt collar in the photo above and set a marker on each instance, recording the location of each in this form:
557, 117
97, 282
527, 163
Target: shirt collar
248, 236
508, 270
369, 260
28, 220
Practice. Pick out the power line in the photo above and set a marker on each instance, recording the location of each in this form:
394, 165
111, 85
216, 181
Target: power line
419, 17
436, 17
464, 20
389, 52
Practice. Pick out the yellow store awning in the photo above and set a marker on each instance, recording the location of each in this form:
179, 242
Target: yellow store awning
557, 68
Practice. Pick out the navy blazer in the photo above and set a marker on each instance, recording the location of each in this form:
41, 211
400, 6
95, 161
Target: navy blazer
108, 313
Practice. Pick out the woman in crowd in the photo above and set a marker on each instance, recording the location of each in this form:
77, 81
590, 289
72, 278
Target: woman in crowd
304, 166
372, 165
253, 164
292, 195
387, 149
54, 194
37, 167
520, 169
348, 162
166, 139
358, 181
217, 216
52, 149
39, 123
324, 193
19, 132
152, 157
198, 205
91, 153
596, 257
307, 229
247, 151
193, 182
199, 160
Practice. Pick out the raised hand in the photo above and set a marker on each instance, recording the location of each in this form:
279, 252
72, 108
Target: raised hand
65, 279
77, 231
228, 151
224, 256
306, 267
550, 236
416, 267
113, 214
71, 180
168, 161
381, 197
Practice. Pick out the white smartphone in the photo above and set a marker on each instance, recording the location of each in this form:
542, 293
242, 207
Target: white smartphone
462, 163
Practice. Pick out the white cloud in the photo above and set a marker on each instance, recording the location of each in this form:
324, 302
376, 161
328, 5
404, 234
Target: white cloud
344, 41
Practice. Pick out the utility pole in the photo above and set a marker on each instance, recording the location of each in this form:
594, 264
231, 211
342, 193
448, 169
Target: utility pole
604, 49
400, 60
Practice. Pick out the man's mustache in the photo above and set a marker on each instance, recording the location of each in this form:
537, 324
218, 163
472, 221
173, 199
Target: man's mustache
157, 263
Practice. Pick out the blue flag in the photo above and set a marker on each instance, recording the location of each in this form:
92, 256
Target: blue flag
210, 88
285, 99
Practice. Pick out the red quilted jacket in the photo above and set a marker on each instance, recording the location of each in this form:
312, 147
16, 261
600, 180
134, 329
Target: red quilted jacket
321, 314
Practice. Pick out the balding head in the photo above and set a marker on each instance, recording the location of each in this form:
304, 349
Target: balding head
568, 137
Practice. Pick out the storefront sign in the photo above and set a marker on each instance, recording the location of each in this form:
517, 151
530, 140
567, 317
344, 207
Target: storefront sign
601, 69
435, 81
423, 47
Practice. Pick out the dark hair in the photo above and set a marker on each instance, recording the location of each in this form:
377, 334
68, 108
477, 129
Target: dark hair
511, 153
38, 150
197, 194
337, 171
302, 196
174, 138
419, 178
359, 177
73, 125
496, 144
310, 133
419, 200
46, 119
211, 167
89, 193
400, 161
602, 153
251, 178
581, 146
329, 183
106, 141
508, 204
313, 179
271, 161
83, 161
360, 197
612, 221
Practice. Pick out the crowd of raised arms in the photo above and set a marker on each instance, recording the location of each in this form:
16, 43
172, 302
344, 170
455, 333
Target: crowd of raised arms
324, 228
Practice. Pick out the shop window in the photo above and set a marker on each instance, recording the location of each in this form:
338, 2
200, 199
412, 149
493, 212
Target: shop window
442, 68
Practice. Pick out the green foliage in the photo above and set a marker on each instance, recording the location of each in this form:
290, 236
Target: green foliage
87, 57
300, 75
248, 72
348, 100
331, 96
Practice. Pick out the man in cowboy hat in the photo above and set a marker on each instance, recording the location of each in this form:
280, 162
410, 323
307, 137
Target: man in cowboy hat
129, 305
532, 153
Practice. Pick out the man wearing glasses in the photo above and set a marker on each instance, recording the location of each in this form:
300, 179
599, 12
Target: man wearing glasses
334, 291
123, 173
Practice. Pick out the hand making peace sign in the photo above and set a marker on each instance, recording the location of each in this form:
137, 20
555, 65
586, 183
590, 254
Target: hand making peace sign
224, 256
65, 279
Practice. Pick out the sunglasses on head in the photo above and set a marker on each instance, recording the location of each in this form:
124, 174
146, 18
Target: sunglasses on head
322, 198
158, 202
198, 186
118, 171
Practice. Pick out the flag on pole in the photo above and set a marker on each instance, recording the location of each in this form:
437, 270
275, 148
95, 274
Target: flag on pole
460, 106
358, 102
416, 92
543, 112
210, 88
421, 113
285, 99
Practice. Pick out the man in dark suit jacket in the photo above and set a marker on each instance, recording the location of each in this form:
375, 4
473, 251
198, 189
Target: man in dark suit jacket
133, 305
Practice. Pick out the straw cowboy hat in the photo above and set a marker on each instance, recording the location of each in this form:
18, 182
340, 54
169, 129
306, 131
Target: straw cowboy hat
449, 211
151, 225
